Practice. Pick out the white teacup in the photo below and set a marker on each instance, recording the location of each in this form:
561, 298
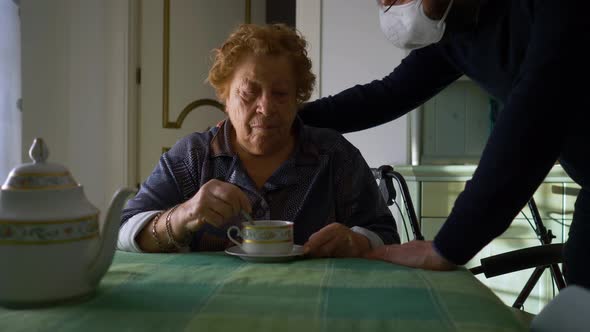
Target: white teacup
264, 237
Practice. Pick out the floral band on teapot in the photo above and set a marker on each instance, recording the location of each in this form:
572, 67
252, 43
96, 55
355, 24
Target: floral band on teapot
39, 181
48, 232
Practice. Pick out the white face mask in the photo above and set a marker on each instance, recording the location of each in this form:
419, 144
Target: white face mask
407, 26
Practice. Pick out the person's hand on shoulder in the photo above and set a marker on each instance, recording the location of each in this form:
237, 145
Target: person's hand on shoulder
417, 254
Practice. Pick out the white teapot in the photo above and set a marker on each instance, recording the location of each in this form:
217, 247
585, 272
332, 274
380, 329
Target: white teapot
52, 247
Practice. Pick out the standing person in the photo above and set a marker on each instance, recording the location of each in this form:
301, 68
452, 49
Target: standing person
525, 53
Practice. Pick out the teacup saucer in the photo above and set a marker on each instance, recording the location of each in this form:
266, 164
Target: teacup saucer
261, 258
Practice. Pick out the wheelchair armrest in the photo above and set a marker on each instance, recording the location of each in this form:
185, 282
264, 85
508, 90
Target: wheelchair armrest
521, 259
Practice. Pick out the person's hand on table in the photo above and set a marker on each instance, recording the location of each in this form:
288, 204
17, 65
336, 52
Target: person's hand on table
336, 240
215, 203
417, 254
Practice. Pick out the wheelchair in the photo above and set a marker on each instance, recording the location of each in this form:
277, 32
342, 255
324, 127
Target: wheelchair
547, 255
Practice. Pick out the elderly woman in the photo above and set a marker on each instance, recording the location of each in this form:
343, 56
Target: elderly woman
261, 160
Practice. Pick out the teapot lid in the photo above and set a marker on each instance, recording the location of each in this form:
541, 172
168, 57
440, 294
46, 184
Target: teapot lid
39, 174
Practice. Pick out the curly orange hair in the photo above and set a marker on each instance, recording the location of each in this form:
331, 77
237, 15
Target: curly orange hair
272, 39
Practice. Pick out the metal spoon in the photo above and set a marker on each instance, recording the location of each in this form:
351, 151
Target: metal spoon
247, 216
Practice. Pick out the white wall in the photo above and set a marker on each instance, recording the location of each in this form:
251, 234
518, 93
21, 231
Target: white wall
74, 55
355, 51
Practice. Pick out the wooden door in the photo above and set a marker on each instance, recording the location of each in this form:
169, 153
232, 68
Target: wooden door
176, 39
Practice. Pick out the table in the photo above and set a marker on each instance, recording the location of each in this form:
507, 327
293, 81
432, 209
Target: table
217, 292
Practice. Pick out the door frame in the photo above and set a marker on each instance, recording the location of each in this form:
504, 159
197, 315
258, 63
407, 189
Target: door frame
123, 125
133, 86
128, 151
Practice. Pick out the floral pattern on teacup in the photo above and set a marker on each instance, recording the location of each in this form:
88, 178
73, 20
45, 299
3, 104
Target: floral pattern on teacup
48, 232
267, 234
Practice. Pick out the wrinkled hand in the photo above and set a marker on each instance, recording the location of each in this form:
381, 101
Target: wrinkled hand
215, 203
418, 254
336, 240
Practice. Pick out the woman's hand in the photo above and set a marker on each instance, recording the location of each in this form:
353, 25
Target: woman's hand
336, 240
215, 203
418, 254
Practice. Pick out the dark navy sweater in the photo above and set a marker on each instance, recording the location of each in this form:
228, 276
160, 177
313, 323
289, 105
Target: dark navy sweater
527, 54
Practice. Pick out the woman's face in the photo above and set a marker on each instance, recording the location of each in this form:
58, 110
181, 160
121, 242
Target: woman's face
261, 103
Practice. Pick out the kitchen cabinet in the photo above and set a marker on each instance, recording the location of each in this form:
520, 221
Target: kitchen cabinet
455, 124
434, 190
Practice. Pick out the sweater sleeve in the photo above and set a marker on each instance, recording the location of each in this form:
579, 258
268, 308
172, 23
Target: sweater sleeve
421, 75
359, 202
528, 136
164, 187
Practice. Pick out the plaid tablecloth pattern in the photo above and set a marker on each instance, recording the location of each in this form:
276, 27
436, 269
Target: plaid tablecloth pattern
216, 292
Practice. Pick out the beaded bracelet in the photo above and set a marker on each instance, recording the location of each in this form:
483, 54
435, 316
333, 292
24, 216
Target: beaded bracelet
155, 232
171, 239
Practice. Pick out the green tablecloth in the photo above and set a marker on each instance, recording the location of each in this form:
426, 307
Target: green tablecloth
215, 292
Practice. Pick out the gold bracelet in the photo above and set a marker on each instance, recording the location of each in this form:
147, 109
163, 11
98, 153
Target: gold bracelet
155, 232
171, 239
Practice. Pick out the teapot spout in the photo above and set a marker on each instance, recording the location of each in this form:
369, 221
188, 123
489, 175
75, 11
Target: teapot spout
109, 235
